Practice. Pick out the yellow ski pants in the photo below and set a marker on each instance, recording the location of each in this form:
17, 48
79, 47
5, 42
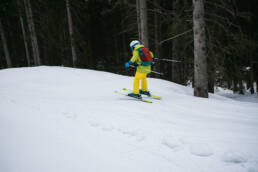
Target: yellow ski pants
136, 83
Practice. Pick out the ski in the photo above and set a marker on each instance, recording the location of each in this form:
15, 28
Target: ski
153, 96
140, 99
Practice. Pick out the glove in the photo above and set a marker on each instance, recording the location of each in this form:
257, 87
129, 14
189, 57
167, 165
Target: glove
127, 64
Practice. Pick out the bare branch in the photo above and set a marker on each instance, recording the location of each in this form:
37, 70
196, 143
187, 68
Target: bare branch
176, 36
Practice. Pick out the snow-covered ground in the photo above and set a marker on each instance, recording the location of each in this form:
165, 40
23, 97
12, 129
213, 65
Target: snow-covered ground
56, 119
247, 97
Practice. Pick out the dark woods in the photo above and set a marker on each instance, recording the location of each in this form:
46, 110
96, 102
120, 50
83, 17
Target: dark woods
95, 34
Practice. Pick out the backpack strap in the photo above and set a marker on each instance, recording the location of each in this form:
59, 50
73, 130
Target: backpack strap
140, 51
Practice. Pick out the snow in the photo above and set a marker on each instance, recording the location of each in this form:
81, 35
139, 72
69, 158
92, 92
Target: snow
64, 119
247, 97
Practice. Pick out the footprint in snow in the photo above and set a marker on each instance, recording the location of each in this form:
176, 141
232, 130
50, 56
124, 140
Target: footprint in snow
234, 157
201, 150
133, 134
171, 143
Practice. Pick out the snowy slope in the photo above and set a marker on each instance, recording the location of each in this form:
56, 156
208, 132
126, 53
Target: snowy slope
55, 119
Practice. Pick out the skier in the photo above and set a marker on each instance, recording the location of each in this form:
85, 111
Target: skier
143, 58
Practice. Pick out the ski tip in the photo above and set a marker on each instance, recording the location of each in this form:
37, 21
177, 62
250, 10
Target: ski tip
157, 97
147, 101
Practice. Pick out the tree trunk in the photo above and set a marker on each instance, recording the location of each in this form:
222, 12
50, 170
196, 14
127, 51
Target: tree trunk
241, 86
138, 19
33, 35
251, 74
70, 25
211, 74
5, 46
175, 67
24, 36
255, 74
156, 67
229, 84
256, 81
125, 50
142, 21
235, 87
156, 32
124, 41
175, 70
211, 61
200, 57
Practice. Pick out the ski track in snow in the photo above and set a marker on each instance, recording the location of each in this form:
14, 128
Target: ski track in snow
64, 119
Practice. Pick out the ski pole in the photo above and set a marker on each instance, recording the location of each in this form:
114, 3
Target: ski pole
148, 70
168, 60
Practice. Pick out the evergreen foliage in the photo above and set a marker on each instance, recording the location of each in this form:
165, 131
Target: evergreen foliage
103, 30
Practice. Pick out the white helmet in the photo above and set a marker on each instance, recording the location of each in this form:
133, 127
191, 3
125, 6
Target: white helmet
133, 44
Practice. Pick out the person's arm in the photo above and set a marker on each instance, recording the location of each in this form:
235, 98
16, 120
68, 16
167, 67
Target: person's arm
132, 60
152, 54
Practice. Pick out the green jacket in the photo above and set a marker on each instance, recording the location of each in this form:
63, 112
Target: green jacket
136, 59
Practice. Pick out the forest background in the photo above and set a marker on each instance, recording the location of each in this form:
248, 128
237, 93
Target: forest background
39, 32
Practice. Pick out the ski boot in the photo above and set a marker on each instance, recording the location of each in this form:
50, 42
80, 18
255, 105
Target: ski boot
147, 93
138, 96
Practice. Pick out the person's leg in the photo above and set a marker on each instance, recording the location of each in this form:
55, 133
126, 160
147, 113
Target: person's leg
144, 82
136, 83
